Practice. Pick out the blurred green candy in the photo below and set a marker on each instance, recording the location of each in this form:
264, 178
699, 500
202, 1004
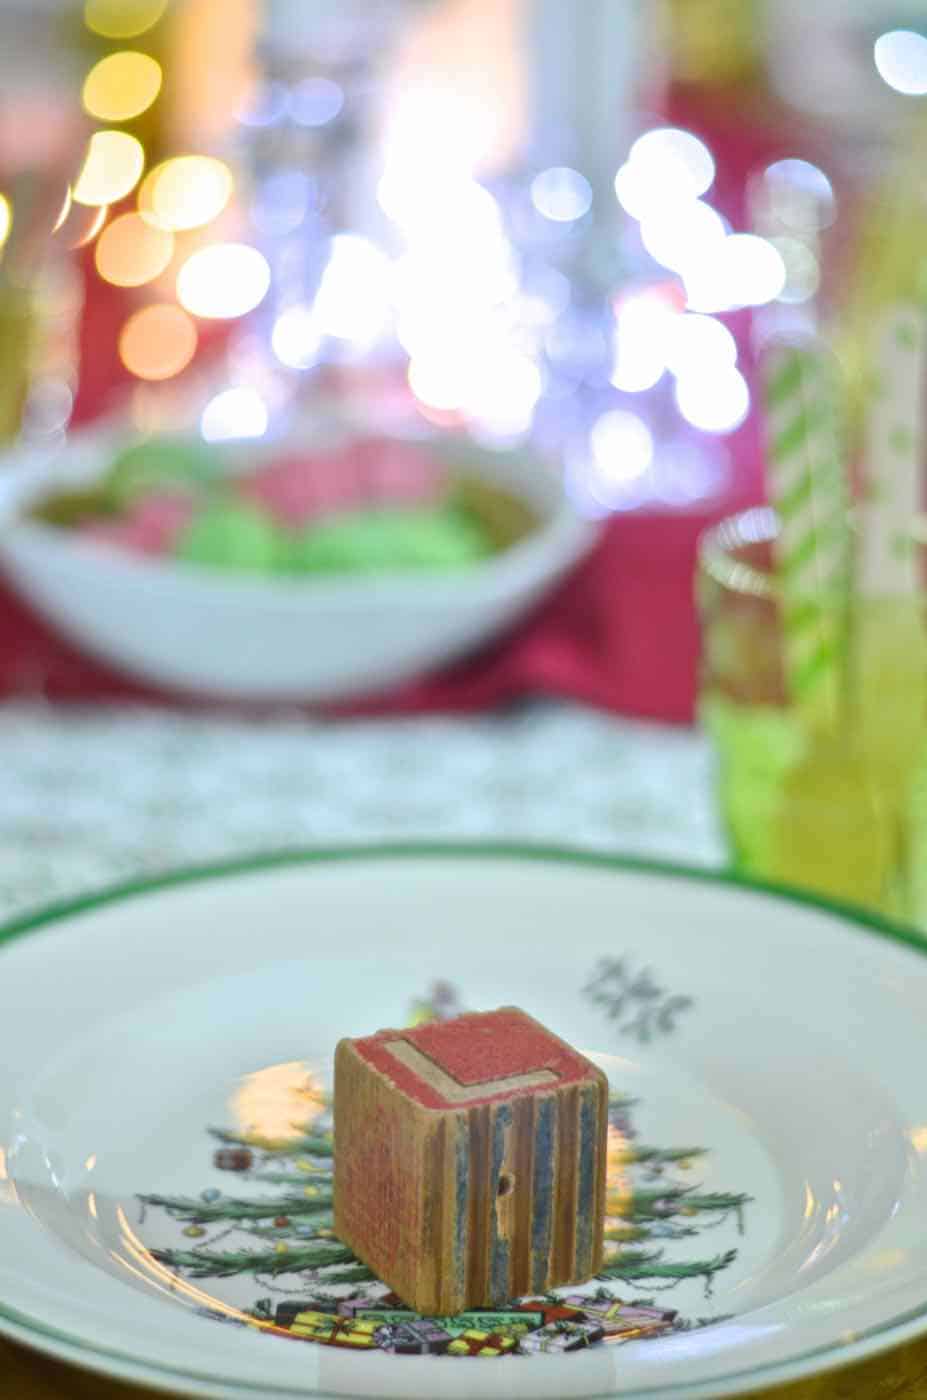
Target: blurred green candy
383, 541
233, 537
161, 464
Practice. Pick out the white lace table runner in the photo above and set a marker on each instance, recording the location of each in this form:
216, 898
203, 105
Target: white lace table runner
89, 797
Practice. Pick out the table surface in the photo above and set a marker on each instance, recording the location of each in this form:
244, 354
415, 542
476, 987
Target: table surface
91, 797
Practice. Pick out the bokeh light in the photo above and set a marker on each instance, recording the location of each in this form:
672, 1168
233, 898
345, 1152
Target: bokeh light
185, 192
743, 270
354, 296
79, 224
665, 167
714, 400
676, 158
223, 280
122, 19
315, 102
433, 132
66, 206
901, 58
561, 194
634, 190
798, 195
437, 382
696, 343
755, 273
495, 386
296, 338
684, 236
284, 201
643, 329
505, 387
802, 270
6, 219
157, 342
131, 252
113, 167
234, 413
121, 86
266, 106
621, 452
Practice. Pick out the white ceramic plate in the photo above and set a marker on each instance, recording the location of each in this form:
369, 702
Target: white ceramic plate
786, 1039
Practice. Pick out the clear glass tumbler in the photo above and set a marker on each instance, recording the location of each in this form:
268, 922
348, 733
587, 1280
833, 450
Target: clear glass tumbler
841, 809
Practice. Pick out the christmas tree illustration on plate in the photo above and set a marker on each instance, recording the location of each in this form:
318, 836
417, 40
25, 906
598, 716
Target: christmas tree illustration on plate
272, 1226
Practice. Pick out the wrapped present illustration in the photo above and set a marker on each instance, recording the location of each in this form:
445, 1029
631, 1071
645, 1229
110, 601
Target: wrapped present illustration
561, 1336
286, 1313
625, 1320
331, 1330
421, 1338
478, 1343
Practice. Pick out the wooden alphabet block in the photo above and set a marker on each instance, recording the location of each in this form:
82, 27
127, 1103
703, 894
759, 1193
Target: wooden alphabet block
470, 1160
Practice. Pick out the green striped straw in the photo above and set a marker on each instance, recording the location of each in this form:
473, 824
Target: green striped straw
808, 487
894, 452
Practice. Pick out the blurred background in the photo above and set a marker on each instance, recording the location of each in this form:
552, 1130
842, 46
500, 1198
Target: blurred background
371, 370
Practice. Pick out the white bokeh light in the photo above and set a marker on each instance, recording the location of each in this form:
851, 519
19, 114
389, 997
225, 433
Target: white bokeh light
354, 297
634, 191
699, 343
754, 270
315, 102
265, 107
296, 338
666, 168
799, 195
714, 400
233, 414
438, 382
433, 132
676, 159
643, 332
223, 281
802, 269
497, 387
505, 393
284, 201
621, 451
459, 211
742, 270
901, 58
684, 236
561, 194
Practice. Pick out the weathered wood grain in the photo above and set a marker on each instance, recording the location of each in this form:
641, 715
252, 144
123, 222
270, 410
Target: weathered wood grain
470, 1160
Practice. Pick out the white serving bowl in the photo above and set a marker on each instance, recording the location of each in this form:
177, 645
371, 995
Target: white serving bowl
231, 636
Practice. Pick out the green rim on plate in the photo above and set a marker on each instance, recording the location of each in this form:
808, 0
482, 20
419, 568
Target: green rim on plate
33, 1331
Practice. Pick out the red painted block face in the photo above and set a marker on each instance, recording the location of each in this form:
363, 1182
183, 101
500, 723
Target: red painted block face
474, 1060
470, 1160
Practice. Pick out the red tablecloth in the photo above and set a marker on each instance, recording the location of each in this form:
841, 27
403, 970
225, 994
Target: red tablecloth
619, 634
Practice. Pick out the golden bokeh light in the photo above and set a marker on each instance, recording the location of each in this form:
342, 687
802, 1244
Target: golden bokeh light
157, 342
132, 252
122, 19
223, 281
114, 165
79, 224
6, 219
185, 192
65, 210
121, 86
277, 1104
